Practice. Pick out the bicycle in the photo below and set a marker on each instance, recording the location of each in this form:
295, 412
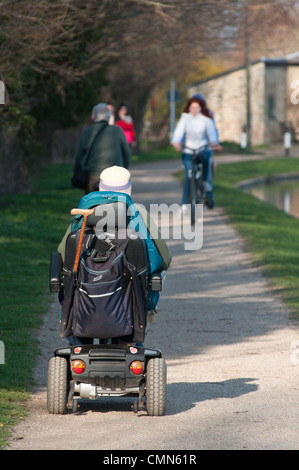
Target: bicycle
198, 192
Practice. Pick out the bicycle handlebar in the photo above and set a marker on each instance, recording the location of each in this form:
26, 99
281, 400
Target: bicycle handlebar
199, 149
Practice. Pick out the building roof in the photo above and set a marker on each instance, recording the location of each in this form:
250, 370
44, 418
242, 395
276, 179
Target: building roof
290, 59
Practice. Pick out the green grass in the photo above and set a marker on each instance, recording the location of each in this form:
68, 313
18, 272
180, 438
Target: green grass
32, 225
164, 153
271, 235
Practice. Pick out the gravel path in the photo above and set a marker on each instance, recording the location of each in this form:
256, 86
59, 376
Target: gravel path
227, 340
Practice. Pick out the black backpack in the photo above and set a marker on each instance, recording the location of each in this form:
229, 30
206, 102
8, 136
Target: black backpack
104, 299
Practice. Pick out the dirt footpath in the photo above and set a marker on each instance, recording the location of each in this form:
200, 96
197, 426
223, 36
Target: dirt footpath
228, 343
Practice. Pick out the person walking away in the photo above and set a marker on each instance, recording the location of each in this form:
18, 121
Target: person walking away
196, 131
100, 146
125, 122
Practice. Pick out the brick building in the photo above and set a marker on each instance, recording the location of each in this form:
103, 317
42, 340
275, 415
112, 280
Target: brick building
274, 96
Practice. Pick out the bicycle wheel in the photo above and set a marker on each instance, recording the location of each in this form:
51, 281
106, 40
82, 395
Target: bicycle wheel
193, 198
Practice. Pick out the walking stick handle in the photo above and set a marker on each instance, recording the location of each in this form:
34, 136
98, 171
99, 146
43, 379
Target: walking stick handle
85, 213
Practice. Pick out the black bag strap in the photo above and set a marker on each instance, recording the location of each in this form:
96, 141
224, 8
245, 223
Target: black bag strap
84, 162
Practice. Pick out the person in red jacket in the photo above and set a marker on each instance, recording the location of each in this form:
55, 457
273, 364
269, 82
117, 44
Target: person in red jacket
123, 120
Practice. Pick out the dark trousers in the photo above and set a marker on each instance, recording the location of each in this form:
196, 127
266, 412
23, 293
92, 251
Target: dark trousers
187, 160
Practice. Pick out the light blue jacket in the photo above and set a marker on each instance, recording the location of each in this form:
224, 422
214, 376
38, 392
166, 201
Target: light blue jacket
136, 223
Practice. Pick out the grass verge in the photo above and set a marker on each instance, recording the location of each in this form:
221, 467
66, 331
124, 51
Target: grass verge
271, 235
31, 227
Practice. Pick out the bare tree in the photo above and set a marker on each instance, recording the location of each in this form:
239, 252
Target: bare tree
46, 47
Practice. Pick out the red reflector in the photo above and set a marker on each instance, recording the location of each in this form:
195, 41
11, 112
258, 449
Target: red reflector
136, 367
78, 366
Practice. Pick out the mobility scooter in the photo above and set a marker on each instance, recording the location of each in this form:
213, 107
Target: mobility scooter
114, 363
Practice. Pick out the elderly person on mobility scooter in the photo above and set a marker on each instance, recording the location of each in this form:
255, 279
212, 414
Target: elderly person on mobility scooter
112, 275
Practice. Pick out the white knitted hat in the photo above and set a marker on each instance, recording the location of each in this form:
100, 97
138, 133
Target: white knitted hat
116, 178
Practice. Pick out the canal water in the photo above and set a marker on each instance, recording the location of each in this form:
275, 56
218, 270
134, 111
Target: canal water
283, 194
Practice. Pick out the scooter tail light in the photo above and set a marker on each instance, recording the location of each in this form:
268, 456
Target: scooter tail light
78, 366
137, 367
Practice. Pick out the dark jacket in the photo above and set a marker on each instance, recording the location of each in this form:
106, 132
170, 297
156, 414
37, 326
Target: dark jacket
110, 148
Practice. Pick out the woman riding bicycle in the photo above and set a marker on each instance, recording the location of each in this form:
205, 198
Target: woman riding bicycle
193, 131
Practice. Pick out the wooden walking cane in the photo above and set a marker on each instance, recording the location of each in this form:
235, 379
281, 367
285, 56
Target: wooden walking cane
85, 213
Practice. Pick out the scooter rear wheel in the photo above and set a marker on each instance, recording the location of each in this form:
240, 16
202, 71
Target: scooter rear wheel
156, 387
57, 390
